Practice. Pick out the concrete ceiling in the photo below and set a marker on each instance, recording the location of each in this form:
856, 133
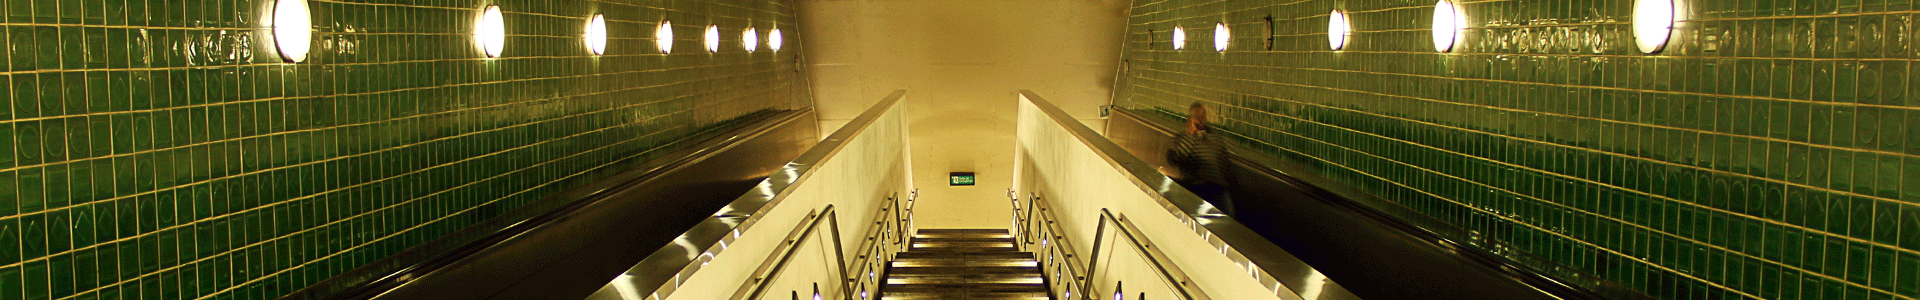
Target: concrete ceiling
962, 63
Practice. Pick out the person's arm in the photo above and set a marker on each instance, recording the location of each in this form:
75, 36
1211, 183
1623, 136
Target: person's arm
1176, 158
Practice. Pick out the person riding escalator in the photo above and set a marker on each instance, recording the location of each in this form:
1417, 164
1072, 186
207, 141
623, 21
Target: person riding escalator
1200, 160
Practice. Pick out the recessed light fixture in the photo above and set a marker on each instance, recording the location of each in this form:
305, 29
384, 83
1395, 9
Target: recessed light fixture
750, 39
774, 40
1221, 37
1448, 24
663, 37
491, 31
1338, 29
596, 36
1179, 38
713, 38
1653, 24
292, 29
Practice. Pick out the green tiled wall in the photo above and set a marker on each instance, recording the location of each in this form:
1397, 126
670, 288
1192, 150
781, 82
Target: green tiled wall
1772, 152
158, 149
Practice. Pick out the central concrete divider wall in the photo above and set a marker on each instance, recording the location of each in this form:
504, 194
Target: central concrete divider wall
856, 169
1077, 180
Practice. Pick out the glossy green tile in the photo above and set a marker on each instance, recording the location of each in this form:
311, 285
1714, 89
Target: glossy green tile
138, 136
34, 275
11, 286
1801, 121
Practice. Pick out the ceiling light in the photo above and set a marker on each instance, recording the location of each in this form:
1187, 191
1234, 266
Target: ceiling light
292, 29
491, 31
1338, 29
1653, 24
597, 34
1221, 37
1179, 38
750, 39
713, 38
1448, 24
663, 36
774, 40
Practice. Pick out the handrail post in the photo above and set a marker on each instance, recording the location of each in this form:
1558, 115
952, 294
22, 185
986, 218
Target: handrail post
1031, 210
1124, 228
899, 220
839, 253
771, 270
1093, 259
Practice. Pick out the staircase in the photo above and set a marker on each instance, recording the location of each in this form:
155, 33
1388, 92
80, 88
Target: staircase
964, 264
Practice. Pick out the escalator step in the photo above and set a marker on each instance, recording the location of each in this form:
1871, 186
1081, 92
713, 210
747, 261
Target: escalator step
962, 255
972, 245
919, 271
962, 233
964, 264
970, 291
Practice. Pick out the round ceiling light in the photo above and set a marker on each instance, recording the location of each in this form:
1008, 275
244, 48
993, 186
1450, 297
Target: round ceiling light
663, 37
1653, 24
1338, 29
774, 40
491, 32
713, 38
596, 36
750, 39
1448, 24
292, 29
1179, 38
1221, 37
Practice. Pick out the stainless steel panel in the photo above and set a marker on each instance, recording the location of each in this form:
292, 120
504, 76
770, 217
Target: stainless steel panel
662, 270
1243, 245
568, 255
1328, 227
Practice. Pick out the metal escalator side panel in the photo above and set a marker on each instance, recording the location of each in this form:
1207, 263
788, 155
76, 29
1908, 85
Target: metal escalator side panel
573, 252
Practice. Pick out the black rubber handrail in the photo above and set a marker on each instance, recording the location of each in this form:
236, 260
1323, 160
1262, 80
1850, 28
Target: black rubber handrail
345, 287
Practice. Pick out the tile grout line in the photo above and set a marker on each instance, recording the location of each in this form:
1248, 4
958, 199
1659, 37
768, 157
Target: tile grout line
1567, 207
1582, 149
1605, 185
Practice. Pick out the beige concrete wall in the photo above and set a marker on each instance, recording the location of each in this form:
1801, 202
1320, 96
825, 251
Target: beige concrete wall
962, 62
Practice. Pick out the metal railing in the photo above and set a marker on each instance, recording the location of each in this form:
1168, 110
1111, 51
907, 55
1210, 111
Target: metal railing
888, 237
770, 270
1037, 232
1171, 274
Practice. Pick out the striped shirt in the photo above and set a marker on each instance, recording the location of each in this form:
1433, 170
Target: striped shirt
1199, 157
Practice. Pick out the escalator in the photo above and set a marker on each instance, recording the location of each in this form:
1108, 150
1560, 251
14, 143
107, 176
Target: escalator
1090, 220
1380, 250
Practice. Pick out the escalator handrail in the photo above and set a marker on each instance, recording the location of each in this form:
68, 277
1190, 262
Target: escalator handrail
1428, 229
744, 212
1271, 264
343, 287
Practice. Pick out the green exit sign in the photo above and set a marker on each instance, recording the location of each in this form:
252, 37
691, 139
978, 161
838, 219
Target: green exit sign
960, 178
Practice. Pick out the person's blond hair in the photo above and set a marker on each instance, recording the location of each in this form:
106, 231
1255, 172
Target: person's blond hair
1197, 115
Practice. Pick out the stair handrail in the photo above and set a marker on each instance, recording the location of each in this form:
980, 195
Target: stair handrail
1169, 272
1039, 222
770, 270
882, 242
